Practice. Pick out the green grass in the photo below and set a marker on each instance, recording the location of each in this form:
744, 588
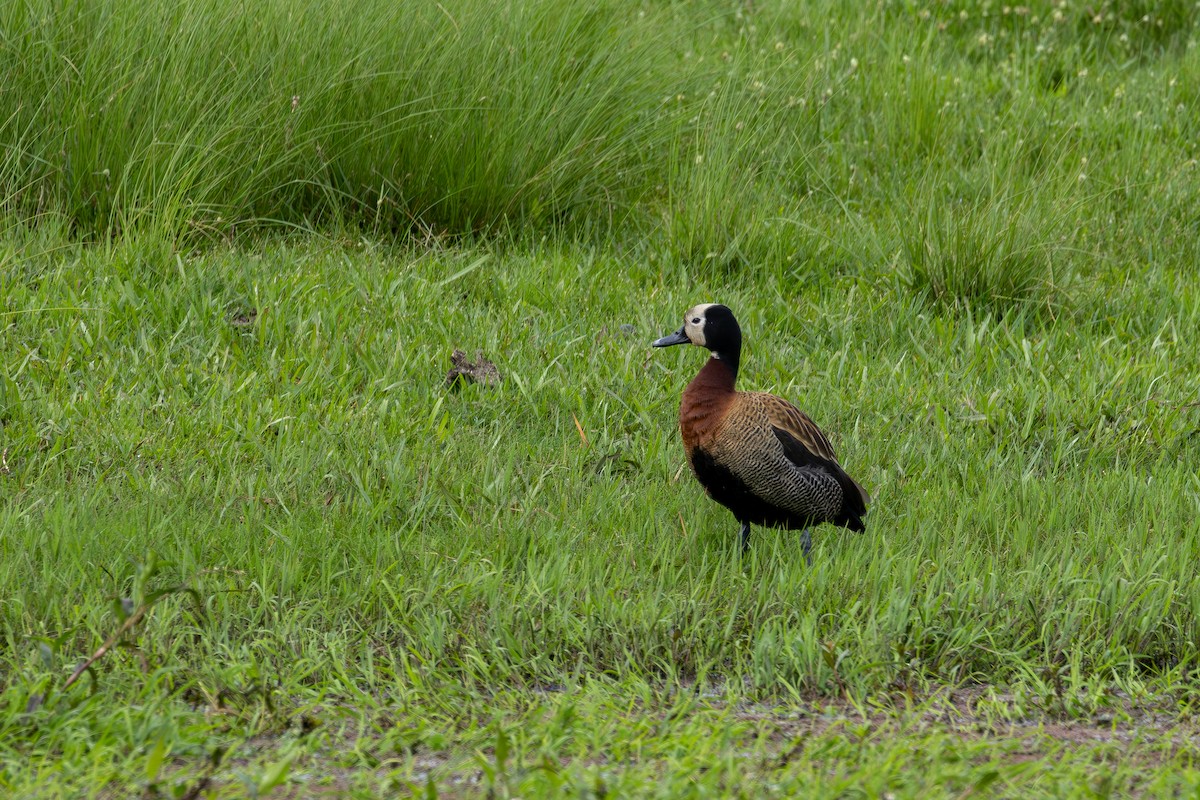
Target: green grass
367, 547
962, 238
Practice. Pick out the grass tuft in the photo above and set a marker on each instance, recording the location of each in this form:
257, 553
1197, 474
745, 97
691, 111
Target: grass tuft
997, 255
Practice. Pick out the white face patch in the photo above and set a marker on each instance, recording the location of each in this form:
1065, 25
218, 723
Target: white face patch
693, 323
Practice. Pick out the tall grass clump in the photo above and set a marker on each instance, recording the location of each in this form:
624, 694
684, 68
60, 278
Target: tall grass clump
200, 116
743, 136
998, 254
726, 163
757, 178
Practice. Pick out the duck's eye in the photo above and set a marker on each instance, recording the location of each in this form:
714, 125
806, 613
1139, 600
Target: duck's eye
695, 320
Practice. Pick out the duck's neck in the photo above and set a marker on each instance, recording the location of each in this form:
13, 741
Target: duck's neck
718, 376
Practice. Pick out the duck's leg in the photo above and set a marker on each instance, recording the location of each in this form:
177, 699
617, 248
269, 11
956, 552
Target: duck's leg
806, 545
745, 537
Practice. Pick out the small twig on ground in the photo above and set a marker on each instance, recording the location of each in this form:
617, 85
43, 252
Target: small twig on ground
582, 434
130, 621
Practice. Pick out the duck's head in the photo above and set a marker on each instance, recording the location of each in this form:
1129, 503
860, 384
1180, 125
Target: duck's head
708, 325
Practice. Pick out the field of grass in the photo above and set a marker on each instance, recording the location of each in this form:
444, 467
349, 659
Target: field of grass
252, 545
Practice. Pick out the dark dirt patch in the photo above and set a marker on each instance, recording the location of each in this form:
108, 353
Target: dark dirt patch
463, 370
243, 318
344, 754
957, 713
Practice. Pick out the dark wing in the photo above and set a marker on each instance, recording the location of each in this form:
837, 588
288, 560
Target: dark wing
787, 418
805, 445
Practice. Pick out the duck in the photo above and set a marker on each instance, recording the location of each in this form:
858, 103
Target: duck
753, 452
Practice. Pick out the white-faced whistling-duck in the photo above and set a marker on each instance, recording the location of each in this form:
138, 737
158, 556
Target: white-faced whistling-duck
755, 453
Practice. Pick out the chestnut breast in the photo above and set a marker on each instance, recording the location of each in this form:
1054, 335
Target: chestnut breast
705, 404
